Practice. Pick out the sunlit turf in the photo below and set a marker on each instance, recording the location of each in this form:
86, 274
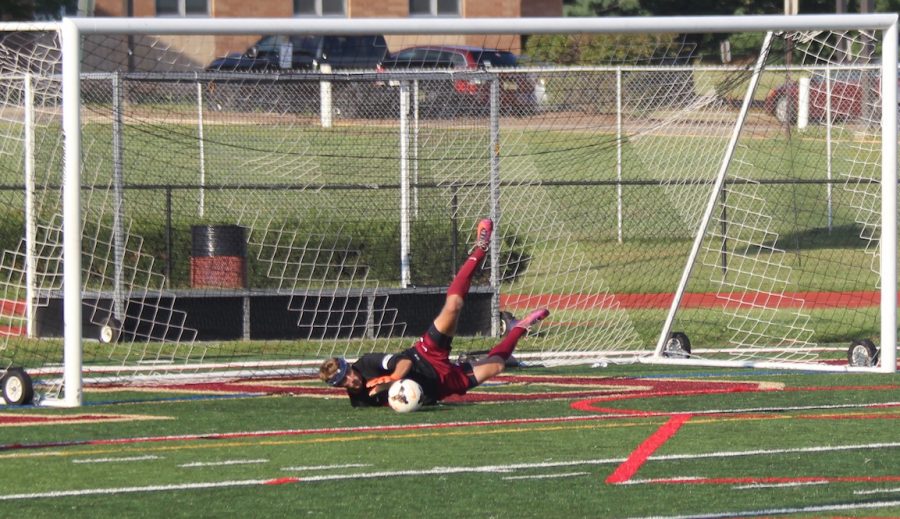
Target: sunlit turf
837, 428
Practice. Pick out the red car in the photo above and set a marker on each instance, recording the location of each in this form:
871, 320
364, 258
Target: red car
847, 96
517, 90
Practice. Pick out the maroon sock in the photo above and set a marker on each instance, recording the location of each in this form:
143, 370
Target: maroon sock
505, 347
463, 280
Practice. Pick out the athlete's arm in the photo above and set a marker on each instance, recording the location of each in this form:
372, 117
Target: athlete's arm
379, 384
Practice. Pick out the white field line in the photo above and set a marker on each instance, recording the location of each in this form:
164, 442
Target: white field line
446, 425
792, 408
443, 471
327, 467
877, 491
115, 460
547, 476
132, 490
782, 511
221, 463
440, 471
767, 452
779, 485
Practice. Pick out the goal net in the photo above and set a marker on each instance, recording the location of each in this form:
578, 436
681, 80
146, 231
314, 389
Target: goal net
248, 197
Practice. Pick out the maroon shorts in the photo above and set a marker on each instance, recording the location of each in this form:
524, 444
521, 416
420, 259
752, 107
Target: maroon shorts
453, 379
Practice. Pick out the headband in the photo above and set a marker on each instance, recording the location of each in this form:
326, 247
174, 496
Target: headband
340, 374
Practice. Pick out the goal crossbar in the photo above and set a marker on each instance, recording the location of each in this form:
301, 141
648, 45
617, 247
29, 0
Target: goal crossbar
72, 31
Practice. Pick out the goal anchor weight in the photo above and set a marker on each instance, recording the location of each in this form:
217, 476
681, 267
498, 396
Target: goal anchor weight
17, 387
862, 353
110, 331
678, 346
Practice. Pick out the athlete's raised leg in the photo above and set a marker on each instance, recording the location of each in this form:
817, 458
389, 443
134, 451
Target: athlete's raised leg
446, 320
495, 361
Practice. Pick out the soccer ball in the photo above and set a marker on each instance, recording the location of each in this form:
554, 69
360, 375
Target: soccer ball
405, 396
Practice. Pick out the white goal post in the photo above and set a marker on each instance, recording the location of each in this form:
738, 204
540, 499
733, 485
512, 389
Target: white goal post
735, 253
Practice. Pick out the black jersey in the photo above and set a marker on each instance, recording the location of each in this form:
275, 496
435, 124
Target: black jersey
372, 365
369, 366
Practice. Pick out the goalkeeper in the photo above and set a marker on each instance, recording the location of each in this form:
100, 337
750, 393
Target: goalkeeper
428, 361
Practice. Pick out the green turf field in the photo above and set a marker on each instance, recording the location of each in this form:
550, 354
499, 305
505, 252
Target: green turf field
620, 441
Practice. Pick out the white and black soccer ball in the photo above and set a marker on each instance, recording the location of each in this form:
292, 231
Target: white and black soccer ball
405, 396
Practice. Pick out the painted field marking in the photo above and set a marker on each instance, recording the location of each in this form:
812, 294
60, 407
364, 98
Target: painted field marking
307, 432
27, 419
877, 491
115, 460
222, 463
327, 467
132, 490
640, 455
441, 471
771, 452
322, 435
117, 448
770, 480
779, 485
782, 511
547, 476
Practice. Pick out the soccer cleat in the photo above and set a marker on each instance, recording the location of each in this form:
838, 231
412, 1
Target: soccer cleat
483, 234
533, 318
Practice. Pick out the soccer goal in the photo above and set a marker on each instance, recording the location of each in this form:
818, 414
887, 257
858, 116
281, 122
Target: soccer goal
244, 198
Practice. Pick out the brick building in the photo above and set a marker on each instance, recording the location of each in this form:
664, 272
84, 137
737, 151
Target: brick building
218, 46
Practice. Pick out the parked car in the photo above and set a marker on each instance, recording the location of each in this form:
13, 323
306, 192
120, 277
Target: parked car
279, 52
520, 93
847, 96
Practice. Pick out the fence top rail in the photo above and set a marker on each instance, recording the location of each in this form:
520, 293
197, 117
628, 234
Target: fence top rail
539, 25
426, 73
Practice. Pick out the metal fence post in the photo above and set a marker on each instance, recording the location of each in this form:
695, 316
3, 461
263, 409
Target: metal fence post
202, 150
169, 262
119, 196
405, 277
414, 152
828, 123
30, 217
325, 100
619, 153
495, 204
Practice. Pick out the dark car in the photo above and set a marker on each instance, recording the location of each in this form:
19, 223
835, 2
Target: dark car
518, 91
272, 53
297, 54
848, 91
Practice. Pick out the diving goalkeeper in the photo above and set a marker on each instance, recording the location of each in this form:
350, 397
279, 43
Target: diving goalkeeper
428, 361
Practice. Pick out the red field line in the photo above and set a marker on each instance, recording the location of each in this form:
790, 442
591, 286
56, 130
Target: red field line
571, 387
656, 440
9, 307
853, 299
303, 432
11, 331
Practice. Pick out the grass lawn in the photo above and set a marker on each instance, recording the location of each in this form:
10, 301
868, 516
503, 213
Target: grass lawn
627, 441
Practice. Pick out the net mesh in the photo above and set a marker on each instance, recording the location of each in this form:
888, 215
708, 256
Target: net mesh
337, 203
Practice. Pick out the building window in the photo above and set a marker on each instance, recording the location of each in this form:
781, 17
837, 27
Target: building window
319, 8
182, 7
434, 7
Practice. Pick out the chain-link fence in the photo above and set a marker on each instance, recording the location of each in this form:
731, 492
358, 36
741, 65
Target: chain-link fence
334, 207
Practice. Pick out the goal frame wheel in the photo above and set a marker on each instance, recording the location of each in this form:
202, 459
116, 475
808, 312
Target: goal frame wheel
678, 346
110, 331
862, 353
507, 321
17, 387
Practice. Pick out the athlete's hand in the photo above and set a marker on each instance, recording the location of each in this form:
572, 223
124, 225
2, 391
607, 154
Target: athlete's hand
377, 381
